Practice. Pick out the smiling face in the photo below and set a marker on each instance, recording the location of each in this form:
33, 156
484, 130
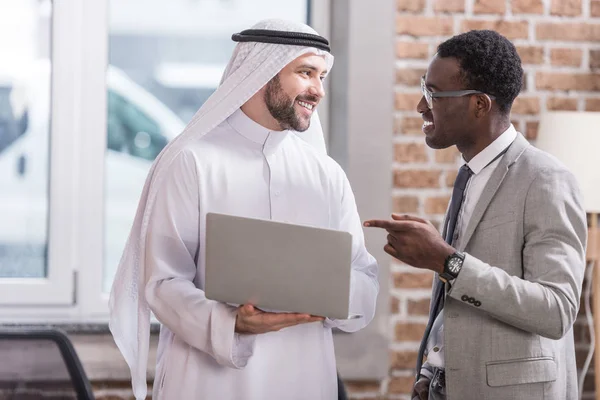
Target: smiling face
449, 121
292, 95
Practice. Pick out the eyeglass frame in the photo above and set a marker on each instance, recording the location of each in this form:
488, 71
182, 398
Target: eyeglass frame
429, 95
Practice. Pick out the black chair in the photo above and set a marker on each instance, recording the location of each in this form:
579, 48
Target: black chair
40, 364
341, 390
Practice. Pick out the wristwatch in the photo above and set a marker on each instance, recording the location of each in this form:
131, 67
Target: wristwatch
452, 266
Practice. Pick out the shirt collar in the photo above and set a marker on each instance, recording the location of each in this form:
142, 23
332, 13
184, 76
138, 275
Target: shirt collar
487, 155
248, 128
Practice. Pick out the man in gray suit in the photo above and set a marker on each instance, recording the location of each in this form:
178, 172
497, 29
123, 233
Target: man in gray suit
510, 264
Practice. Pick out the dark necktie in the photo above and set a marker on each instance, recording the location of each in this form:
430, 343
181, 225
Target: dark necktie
464, 174
458, 193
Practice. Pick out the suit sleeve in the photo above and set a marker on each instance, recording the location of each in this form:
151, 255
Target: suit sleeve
545, 300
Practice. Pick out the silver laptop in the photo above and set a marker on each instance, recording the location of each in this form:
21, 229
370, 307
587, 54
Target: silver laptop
278, 266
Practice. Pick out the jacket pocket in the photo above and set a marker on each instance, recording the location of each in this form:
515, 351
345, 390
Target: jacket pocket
521, 371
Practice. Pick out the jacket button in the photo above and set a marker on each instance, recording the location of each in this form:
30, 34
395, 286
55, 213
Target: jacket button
477, 303
471, 300
464, 297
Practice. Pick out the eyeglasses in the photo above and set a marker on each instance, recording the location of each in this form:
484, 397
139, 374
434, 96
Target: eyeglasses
429, 95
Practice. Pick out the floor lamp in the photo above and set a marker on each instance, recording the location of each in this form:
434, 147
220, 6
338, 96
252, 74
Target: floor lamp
574, 138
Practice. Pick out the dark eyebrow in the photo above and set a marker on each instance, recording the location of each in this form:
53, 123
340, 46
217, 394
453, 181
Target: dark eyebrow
311, 67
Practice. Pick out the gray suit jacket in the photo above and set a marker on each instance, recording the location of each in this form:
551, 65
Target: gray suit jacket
508, 317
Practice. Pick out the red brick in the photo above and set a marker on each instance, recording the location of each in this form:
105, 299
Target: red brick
413, 280
594, 59
403, 359
527, 6
410, 153
412, 126
423, 26
531, 54
418, 307
449, 6
405, 204
531, 130
414, 50
417, 179
588, 32
394, 305
362, 386
562, 103
595, 8
436, 205
592, 104
567, 81
410, 76
410, 5
409, 331
526, 105
566, 57
401, 385
566, 7
510, 29
408, 101
489, 7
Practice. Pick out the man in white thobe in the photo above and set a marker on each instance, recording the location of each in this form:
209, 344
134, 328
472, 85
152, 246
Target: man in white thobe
244, 153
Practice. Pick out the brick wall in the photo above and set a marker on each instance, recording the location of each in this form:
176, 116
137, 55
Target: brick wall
559, 43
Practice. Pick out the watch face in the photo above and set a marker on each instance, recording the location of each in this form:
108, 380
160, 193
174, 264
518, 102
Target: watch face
454, 265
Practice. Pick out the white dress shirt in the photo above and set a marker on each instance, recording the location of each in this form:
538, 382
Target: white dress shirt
482, 171
244, 169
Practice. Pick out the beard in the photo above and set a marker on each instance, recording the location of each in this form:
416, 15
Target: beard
281, 107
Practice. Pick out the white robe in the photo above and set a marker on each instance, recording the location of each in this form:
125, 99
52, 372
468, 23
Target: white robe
244, 169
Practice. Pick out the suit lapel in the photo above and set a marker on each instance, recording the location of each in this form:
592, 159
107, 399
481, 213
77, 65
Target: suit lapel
514, 151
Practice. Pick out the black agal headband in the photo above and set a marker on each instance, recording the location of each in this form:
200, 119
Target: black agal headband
282, 37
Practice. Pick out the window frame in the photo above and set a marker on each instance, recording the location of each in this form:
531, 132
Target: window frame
22, 296
80, 59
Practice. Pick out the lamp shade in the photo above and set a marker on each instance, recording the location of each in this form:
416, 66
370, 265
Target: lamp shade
574, 138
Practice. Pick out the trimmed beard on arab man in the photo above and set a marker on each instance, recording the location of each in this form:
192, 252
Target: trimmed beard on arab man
239, 204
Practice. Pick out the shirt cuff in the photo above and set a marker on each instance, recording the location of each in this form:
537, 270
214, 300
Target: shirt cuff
332, 323
242, 350
426, 373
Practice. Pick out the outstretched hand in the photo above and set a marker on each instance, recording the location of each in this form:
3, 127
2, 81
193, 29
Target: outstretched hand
414, 241
251, 320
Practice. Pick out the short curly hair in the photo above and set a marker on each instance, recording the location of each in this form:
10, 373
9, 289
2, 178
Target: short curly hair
489, 63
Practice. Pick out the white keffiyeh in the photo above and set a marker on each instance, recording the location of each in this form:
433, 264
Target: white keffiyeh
251, 66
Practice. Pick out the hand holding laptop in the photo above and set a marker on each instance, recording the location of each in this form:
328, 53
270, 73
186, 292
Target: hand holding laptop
251, 320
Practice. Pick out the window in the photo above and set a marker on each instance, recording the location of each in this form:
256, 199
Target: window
92, 91
131, 131
24, 90
30, 267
